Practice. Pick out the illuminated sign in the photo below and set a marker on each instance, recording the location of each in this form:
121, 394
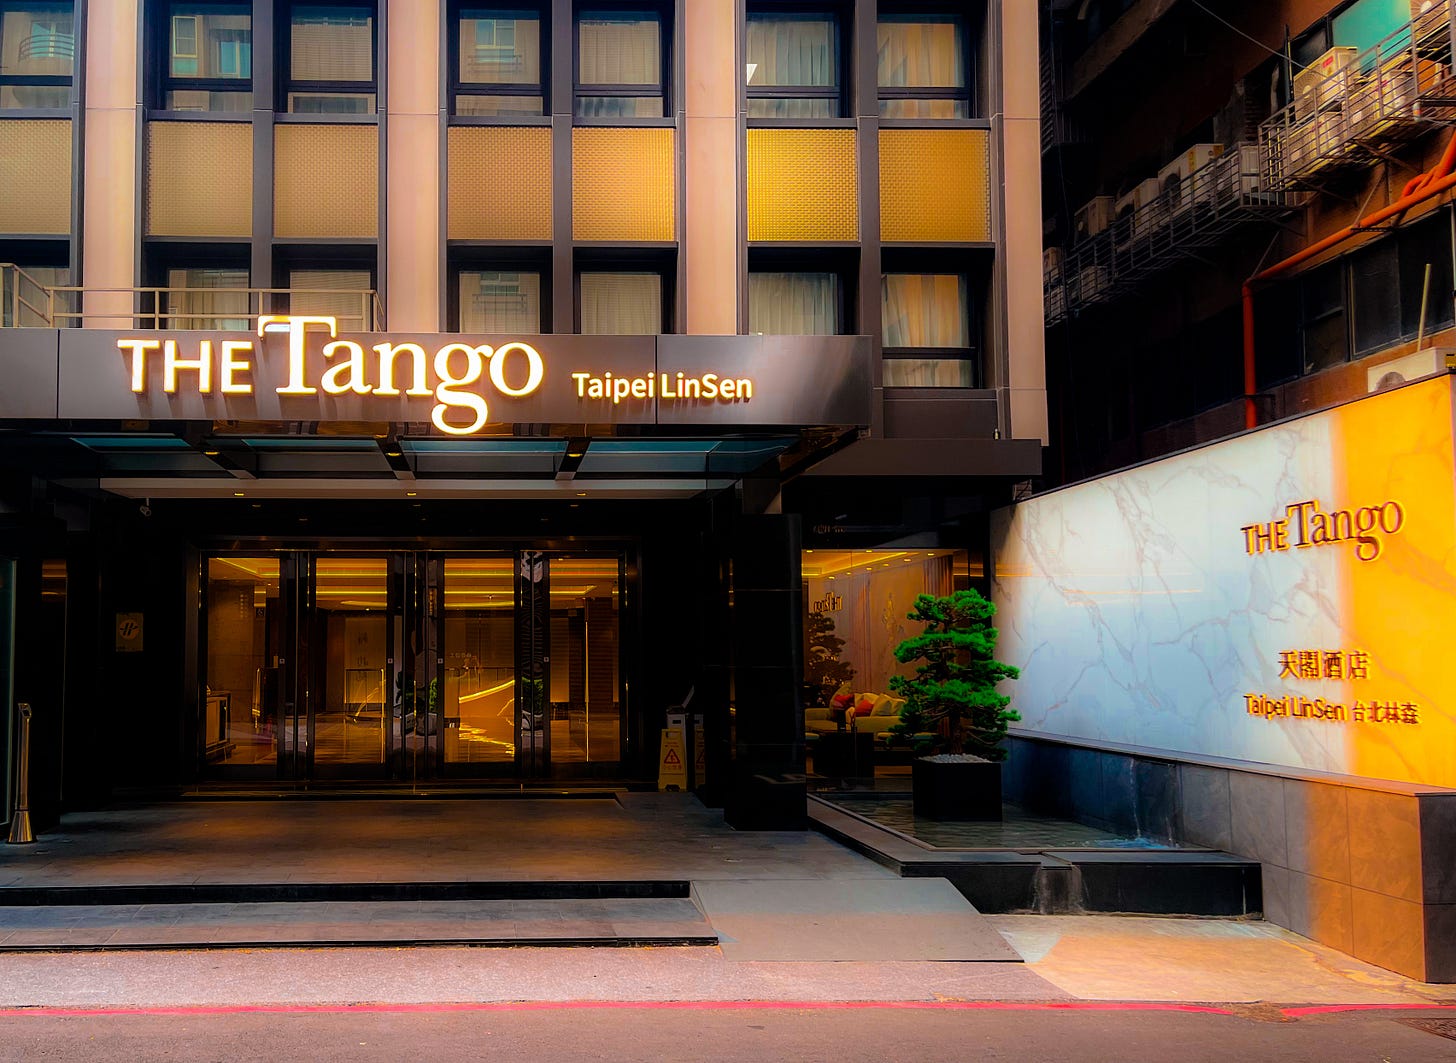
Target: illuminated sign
1141, 613
454, 374
1306, 524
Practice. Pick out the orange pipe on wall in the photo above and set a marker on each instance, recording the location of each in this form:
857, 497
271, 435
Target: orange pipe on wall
1416, 190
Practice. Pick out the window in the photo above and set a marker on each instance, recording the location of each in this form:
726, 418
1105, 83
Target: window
621, 303
620, 64
1324, 325
37, 54
928, 330
922, 66
794, 64
794, 304
26, 295
345, 294
209, 65
205, 298
498, 70
330, 65
500, 303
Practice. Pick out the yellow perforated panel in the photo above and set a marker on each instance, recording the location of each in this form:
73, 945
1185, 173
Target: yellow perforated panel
803, 184
326, 180
35, 176
499, 183
199, 179
622, 184
935, 185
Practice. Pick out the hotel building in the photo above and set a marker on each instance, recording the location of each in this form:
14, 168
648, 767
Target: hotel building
439, 392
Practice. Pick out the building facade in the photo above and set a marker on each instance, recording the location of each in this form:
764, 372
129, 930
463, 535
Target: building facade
1225, 610
406, 392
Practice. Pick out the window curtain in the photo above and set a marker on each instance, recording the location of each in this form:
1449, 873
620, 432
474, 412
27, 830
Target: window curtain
625, 50
793, 304
921, 53
349, 305
790, 52
929, 373
333, 44
499, 51
621, 304
925, 310
199, 306
500, 303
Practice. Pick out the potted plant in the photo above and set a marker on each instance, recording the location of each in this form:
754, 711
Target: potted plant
824, 672
951, 703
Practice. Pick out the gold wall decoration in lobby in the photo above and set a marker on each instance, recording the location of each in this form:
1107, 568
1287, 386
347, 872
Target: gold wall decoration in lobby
326, 180
623, 184
199, 179
483, 206
35, 176
935, 185
803, 185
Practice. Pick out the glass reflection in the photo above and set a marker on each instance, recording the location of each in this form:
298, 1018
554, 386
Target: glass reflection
480, 671
244, 632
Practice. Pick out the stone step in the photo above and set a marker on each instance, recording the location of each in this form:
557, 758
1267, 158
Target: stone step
610, 922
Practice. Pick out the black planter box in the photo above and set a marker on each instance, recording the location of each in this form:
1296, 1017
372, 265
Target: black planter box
968, 790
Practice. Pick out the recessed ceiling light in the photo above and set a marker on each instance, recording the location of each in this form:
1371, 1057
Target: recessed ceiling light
239, 494
410, 494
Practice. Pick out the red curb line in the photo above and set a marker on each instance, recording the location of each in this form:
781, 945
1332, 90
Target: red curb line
646, 1005
1331, 1009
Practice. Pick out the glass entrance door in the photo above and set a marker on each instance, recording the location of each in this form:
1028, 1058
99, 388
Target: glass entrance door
413, 665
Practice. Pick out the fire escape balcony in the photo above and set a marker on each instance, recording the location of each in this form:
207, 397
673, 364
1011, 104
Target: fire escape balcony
1186, 217
1350, 114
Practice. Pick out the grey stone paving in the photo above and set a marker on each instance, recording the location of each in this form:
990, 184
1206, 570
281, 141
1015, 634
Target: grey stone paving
811, 919
781, 896
378, 922
639, 836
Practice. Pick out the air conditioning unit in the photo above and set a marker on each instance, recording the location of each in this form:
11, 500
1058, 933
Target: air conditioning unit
1175, 179
1051, 261
1094, 217
1325, 82
1246, 175
1091, 284
1139, 212
1315, 143
1403, 370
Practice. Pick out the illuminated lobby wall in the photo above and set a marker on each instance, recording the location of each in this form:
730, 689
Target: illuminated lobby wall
868, 599
1145, 610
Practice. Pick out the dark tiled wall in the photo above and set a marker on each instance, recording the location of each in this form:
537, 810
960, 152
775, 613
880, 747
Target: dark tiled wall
1361, 869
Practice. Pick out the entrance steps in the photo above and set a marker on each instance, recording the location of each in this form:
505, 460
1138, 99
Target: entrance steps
293, 915
1061, 881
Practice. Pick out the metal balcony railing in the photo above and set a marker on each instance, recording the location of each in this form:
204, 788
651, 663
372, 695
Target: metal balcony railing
1396, 91
28, 302
1187, 216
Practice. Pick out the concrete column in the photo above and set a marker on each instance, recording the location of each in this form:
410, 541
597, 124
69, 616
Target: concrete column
1017, 128
110, 215
709, 229
412, 168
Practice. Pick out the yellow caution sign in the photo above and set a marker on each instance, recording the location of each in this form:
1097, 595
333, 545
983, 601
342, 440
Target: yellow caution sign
672, 771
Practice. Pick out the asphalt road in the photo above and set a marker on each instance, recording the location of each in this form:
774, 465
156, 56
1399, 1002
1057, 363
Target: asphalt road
700, 1032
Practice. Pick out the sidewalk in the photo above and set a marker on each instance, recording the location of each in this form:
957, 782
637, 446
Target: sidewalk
780, 905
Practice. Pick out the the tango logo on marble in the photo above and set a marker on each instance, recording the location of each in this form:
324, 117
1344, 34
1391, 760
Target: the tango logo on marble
1306, 524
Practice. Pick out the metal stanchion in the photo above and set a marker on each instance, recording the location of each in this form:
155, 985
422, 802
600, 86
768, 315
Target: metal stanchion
20, 832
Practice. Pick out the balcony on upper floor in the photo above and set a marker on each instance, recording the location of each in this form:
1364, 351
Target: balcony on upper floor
29, 302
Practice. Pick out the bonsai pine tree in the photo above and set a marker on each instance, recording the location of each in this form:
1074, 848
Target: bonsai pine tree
953, 692
823, 669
